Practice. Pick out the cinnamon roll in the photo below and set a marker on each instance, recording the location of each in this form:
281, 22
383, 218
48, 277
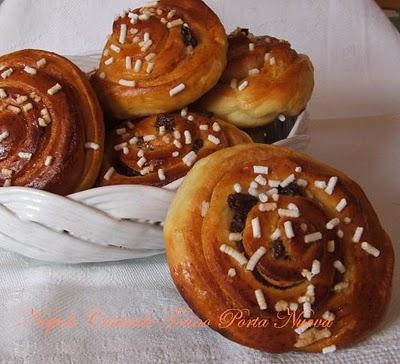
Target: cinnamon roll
278, 251
160, 149
51, 124
160, 58
265, 81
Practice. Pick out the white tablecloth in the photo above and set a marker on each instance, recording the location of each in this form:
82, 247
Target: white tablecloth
357, 57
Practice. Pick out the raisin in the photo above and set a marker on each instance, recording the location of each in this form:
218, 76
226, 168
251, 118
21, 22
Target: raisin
188, 37
165, 121
278, 249
197, 145
240, 204
140, 141
238, 223
291, 190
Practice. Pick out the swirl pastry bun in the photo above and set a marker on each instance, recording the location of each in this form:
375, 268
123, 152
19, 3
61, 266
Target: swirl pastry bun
160, 58
278, 251
265, 79
160, 149
51, 124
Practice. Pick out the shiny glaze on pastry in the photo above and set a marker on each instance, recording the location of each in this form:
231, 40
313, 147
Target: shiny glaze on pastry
265, 79
160, 58
160, 149
258, 233
51, 124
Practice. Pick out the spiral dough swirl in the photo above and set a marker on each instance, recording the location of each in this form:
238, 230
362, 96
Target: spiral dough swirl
160, 149
278, 251
51, 125
160, 58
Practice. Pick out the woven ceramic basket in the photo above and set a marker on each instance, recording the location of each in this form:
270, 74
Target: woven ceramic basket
102, 224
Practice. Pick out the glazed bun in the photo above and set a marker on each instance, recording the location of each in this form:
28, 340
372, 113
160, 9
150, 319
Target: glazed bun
259, 232
51, 124
160, 58
160, 149
264, 79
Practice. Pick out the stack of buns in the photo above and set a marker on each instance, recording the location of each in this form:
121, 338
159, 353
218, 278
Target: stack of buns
168, 56
168, 62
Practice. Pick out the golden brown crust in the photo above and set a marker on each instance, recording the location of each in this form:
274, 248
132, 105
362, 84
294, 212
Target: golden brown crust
200, 269
164, 140
172, 62
43, 122
282, 82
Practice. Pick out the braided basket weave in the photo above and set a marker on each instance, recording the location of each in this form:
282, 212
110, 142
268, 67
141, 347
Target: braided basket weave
98, 225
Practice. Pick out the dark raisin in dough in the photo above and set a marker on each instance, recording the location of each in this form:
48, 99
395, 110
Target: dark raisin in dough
240, 204
197, 145
165, 121
188, 37
292, 190
278, 249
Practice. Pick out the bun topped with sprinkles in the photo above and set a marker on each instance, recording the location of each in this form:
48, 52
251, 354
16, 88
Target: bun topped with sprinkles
160, 149
265, 80
160, 58
51, 124
278, 251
